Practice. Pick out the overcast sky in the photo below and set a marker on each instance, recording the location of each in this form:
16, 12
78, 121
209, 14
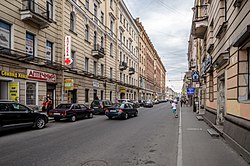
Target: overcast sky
168, 23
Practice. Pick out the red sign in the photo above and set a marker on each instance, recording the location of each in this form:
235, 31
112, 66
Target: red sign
67, 59
41, 76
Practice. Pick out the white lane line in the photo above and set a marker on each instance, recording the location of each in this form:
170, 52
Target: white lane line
179, 154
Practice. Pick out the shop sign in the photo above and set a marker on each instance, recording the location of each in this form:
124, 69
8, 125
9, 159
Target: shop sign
190, 91
95, 83
122, 89
41, 76
68, 84
67, 58
13, 74
13, 91
195, 76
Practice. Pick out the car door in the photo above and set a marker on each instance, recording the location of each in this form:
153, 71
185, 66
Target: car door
131, 109
84, 110
78, 111
23, 113
127, 108
7, 117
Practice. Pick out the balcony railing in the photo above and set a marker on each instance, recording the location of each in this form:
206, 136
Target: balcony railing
98, 51
123, 65
131, 70
36, 13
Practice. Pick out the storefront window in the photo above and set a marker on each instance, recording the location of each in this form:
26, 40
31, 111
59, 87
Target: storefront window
31, 93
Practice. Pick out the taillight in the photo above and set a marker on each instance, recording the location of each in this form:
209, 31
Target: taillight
120, 111
106, 111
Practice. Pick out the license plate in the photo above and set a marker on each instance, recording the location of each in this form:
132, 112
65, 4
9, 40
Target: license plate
95, 107
56, 113
112, 110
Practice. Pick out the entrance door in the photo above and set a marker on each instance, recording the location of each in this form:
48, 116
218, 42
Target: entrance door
221, 100
3, 90
51, 89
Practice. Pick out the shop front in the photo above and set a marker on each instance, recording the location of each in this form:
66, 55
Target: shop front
71, 90
122, 92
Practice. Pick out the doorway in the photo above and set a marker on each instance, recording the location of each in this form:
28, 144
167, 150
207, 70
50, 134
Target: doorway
221, 100
72, 96
51, 90
3, 90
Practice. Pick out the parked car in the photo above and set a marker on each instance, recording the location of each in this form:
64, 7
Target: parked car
134, 102
121, 110
71, 112
148, 103
99, 106
14, 115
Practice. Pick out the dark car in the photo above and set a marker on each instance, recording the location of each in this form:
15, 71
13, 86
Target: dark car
99, 106
71, 112
121, 110
14, 115
148, 103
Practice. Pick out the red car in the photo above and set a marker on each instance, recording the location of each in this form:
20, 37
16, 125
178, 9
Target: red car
71, 112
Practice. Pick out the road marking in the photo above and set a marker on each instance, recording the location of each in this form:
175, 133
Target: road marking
194, 129
179, 152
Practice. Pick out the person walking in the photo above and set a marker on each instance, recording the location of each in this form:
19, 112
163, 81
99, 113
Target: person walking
49, 104
174, 109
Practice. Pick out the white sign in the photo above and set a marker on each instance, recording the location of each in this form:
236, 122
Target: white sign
95, 84
68, 59
29, 46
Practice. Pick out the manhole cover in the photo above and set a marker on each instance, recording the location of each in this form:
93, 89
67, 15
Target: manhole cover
95, 163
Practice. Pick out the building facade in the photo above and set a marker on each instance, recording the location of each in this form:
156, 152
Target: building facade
73, 51
220, 38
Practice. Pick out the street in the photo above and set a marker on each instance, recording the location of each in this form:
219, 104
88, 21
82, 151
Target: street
150, 139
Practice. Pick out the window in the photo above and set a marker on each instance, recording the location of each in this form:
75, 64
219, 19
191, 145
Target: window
102, 69
18, 107
72, 21
49, 6
120, 76
102, 17
101, 94
102, 43
120, 57
111, 25
95, 68
111, 49
95, 10
95, 40
211, 87
111, 72
87, 33
31, 93
86, 95
248, 52
49, 51
73, 56
5, 34
110, 95
30, 44
87, 4
86, 64
111, 3
123, 78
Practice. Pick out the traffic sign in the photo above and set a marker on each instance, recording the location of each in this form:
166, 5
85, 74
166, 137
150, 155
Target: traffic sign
190, 91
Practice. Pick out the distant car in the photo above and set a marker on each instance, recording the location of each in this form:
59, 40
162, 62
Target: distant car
71, 112
121, 110
148, 103
135, 103
99, 106
14, 115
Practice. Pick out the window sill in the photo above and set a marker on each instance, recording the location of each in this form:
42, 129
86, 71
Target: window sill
70, 30
87, 41
244, 101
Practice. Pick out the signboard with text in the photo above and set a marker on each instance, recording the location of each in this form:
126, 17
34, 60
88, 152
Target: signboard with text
190, 91
14, 91
68, 59
41, 76
68, 84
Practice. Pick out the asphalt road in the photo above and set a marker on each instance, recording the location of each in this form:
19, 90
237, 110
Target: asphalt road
149, 139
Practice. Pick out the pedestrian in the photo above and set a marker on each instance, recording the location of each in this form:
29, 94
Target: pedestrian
44, 108
174, 109
49, 104
181, 102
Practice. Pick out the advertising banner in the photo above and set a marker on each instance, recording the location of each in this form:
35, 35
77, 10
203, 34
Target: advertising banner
14, 91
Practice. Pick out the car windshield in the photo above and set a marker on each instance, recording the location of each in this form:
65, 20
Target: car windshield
63, 106
117, 105
95, 103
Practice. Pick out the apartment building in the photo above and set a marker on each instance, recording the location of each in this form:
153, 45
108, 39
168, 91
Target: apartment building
220, 32
30, 51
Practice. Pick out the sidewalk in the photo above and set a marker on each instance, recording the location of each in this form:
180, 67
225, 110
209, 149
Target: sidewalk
200, 149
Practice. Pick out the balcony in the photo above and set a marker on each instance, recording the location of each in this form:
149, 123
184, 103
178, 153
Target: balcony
131, 70
200, 23
36, 13
123, 65
98, 51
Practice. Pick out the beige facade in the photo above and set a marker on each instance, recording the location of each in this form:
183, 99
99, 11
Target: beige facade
220, 38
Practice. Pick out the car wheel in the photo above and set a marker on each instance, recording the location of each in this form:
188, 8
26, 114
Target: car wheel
136, 114
57, 119
39, 123
126, 116
90, 115
73, 118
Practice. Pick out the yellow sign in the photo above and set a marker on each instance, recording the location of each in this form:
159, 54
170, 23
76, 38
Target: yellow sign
13, 74
122, 89
68, 84
14, 91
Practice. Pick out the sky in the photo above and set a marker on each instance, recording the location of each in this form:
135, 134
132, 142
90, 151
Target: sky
168, 25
